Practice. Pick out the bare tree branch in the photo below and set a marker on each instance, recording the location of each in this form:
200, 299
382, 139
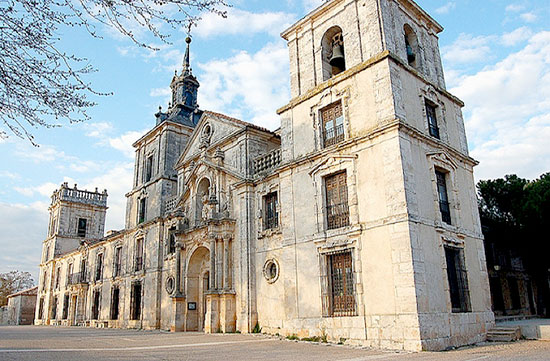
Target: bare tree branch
39, 83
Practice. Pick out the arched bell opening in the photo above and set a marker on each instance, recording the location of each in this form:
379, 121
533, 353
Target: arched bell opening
333, 54
411, 46
197, 285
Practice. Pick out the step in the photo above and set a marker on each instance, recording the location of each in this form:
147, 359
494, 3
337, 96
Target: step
504, 334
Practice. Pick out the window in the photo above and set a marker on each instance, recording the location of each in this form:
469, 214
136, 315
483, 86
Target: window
411, 46
96, 305
443, 197
82, 276
271, 270
57, 275
138, 264
336, 192
458, 279
65, 306
141, 212
172, 240
115, 300
54, 309
333, 124
149, 168
117, 269
271, 214
82, 227
432, 119
340, 275
99, 267
69, 274
44, 281
41, 308
135, 301
514, 293
333, 54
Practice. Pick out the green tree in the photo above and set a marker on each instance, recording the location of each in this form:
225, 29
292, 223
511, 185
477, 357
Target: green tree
12, 282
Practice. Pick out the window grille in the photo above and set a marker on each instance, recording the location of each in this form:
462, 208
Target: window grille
117, 270
138, 265
96, 305
142, 207
82, 227
340, 282
337, 210
444, 206
458, 280
271, 214
99, 267
333, 124
135, 301
432, 120
115, 300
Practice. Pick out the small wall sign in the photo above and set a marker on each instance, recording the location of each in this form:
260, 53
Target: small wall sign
191, 306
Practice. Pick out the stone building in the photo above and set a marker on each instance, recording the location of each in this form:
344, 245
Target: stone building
20, 308
356, 220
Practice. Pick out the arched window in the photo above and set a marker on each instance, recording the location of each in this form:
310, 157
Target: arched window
333, 55
412, 47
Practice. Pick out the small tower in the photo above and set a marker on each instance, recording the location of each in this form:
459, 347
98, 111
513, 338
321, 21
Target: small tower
75, 215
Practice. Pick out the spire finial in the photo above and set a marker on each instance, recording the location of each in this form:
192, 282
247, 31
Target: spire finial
186, 62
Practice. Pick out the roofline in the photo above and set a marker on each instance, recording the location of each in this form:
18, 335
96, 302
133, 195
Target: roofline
321, 9
135, 144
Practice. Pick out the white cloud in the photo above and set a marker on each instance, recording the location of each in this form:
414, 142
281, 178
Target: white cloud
514, 8
9, 175
508, 112
468, 49
124, 142
240, 22
44, 153
528, 17
517, 36
24, 228
445, 9
98, 130
253, 84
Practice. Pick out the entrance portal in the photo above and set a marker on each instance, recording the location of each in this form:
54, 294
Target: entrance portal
197, 276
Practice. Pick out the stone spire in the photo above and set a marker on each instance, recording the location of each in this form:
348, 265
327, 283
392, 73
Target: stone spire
186, 63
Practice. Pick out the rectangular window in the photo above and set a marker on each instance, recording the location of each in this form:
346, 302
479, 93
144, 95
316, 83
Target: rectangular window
138, 264
336, 192
432, 119
57, 275
443, 197
82, 227
96, 305
340, 276
135, 301
332, 119
54, 309
149, 168
118, 262
458, 279
99, 267
115, 300
141, 212
69, 274
271, 214
82, 275
41, 308
66, 306
514, 293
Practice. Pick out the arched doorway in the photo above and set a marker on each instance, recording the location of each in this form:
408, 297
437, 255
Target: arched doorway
197, 276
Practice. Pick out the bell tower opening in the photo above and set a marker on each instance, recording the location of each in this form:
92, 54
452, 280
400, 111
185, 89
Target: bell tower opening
333, 54
411, 45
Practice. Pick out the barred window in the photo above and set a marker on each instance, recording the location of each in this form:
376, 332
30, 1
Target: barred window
340, 296
117, 270
444, 206
115, 300
458, 279
271, 213
138, 264
431, 114
337, 209
82, 227
135, 301
65, 306
333, 124
99, 267
142, 210
96, 304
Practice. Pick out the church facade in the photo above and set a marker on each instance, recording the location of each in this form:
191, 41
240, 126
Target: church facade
356, 220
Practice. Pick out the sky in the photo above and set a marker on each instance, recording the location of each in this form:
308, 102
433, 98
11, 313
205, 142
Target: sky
496, 56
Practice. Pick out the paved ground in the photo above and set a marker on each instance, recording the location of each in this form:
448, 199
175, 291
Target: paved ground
82, 344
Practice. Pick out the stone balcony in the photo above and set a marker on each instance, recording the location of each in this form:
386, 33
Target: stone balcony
267, 162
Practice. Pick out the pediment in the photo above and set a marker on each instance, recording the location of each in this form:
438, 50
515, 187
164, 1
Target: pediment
442, 158
210, 130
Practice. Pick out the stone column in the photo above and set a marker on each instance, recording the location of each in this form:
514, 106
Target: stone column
212, 262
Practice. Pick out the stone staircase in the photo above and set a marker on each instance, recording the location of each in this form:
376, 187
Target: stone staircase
504, 334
